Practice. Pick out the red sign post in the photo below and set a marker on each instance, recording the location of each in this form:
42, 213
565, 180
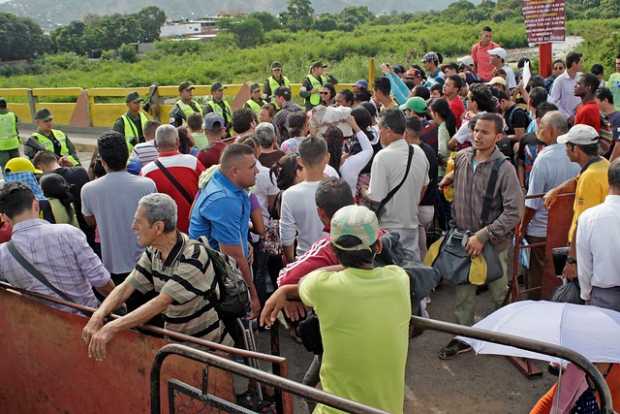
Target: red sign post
545, 22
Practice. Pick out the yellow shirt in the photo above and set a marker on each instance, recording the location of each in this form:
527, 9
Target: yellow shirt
364, 318
592, 188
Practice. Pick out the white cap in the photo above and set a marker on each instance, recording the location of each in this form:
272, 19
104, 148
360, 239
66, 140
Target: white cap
466, 60
580, 134
499, 52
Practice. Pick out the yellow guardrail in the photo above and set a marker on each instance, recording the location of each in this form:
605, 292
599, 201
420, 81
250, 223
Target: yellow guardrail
100, 107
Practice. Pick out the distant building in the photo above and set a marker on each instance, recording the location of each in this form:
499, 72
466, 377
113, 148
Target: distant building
199, 29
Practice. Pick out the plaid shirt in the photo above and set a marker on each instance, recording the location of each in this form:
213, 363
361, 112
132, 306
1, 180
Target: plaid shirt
27, 178
60, 252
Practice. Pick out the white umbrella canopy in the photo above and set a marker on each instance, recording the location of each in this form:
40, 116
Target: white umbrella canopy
589, 330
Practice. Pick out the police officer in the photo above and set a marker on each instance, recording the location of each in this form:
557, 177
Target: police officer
185, 106
273, 82
218, 105
131, 125
312, 84
255, 103
9, 137
53, 140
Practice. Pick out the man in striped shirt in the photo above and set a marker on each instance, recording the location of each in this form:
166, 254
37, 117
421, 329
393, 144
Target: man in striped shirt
176, 268
144, 152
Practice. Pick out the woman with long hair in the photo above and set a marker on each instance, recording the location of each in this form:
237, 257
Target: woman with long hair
58, 193
443, 116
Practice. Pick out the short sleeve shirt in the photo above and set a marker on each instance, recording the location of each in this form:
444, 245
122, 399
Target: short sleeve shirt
186, 276
592, 188
589, 113
375, 316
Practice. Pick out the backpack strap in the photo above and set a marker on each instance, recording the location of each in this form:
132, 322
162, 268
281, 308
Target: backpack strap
175, 183
488, 195
394, 190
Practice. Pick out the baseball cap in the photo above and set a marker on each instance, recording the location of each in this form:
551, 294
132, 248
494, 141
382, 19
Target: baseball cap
133, 97
276, 64
415, 104
2, 102
398, 69
254, 87
357, 221
362, 83
43, 115
580, 134
430, 57
214, 121
185, 85
497, 80
20, 164
499, 52
466, 60
217, 86
284, 92
317, 64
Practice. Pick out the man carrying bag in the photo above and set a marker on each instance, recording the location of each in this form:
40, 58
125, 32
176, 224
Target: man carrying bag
485, 216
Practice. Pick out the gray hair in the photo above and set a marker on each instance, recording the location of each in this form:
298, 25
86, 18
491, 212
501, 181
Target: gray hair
166, 136
265, 134
160, 207
555, 120
613, 174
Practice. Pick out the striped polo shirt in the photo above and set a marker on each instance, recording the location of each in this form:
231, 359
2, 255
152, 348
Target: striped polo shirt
186, 275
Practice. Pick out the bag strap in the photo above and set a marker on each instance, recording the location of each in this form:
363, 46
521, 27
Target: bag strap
177, 185
394, 190
488, 195
34, 271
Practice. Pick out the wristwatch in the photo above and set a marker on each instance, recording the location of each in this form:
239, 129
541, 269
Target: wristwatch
571, 260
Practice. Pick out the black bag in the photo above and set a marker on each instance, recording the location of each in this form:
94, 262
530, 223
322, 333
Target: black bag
309, 332
569, 292
380, 209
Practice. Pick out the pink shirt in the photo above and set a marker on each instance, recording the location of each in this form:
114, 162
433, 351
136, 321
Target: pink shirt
482, 60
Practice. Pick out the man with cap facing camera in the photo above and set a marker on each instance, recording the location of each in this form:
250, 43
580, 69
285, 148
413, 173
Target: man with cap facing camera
312, 84
276, 80
255, 103
362, 309
185, 106
48, 139
218, 105
590, 186
9, 136
434, 75
498, 60
131, 125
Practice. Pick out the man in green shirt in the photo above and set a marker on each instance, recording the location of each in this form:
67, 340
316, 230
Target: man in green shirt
185, 106
255, 103
614, 84
131, 124
46, 138
364, 315
218, 104
9, 136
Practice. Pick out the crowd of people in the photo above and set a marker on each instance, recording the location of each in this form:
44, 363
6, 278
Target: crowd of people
305, 199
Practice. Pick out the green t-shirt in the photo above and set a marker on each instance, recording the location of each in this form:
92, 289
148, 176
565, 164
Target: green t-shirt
364, 318
200, 140
614, 85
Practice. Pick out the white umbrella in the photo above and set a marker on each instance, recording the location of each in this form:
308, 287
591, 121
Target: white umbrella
589, 330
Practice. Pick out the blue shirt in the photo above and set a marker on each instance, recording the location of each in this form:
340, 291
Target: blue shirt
222, 213
551, 168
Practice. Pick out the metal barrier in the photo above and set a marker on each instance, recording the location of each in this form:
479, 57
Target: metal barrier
528, 344
212, 360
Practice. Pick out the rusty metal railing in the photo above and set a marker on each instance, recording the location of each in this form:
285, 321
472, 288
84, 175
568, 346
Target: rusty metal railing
212, 360
528, 344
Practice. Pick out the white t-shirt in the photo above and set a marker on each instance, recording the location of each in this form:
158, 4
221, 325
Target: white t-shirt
353, 165
511, 81
299, 216
388, 168
263, 188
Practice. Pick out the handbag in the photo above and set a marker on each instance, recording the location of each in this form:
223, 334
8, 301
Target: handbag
380, 209
453, 262
569, 292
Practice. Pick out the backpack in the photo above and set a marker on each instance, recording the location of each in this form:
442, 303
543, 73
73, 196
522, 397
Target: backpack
228, 291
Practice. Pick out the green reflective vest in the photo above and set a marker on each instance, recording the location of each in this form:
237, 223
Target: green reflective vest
187, 109
225, 112
274, 84
254, 106
315, 97
9, 140
47, 143
131, 132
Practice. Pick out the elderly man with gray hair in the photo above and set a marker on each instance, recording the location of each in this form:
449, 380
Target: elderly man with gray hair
176, 268
265, 134
551, 168
174, 173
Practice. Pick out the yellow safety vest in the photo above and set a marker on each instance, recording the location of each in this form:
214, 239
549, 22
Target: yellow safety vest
225, 112
274, 84
9, 140
49, 145
187, 109
315, 97
131, 132
254, 106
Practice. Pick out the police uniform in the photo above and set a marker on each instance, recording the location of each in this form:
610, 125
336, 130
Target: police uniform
54, 141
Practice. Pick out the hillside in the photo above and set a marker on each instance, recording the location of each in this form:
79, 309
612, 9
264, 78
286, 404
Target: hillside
51, 13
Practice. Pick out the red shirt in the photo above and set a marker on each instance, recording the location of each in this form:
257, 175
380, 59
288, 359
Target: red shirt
589, 113
5, 231
186, 169
458, 109
482, 60
211, 155
319, 255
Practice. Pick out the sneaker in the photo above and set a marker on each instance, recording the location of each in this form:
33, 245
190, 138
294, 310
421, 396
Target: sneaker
454, 348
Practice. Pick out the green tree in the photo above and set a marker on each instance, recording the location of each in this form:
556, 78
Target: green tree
325, 23
70, 38
247, 30
354, 16
128, 53
21, 38
298, 15
268, 20
150, 19
609, 8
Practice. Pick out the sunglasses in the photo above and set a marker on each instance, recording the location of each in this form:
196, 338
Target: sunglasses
558, 68
323, 93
